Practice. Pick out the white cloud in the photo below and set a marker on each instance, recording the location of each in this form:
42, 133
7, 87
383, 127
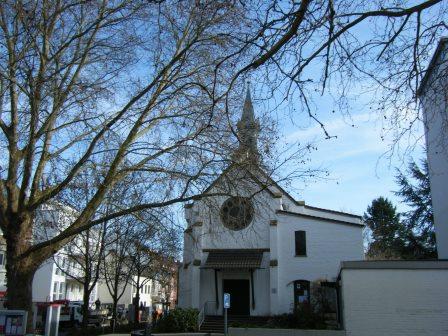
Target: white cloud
357, 174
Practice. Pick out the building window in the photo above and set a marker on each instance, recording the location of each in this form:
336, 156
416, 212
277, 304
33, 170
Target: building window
300, 243
301, 293
237, 213
62, 291
55, 290
2, 259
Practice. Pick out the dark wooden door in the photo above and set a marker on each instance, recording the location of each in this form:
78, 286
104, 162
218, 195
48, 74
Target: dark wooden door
239, 291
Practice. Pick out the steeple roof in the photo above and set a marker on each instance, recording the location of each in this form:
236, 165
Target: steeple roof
248, 109
248, 129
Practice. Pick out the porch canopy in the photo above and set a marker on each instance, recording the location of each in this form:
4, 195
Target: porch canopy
234, 259
231, 259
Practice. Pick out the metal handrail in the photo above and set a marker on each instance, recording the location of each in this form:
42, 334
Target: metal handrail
201, 316
203, 313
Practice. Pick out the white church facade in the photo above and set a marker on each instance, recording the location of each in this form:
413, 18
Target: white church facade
433, 94
255, 241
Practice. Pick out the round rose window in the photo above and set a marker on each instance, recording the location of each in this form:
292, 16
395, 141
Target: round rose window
237, 213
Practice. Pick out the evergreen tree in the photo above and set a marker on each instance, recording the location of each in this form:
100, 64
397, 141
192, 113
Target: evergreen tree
416, 192
387, 231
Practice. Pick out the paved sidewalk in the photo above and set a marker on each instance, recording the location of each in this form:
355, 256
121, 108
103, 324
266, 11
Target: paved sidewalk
178, 334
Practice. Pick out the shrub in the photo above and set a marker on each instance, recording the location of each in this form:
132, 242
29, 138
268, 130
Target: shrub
304, 317
178, 320
247, 325
93, 331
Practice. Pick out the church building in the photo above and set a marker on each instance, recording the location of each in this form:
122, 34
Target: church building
252, 239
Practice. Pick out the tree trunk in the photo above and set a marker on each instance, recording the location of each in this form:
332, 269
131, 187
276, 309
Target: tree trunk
85, 306
86, 283
20, 295
137, 303
114, 312
19, 271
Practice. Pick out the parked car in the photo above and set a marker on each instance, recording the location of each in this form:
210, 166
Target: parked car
71, 315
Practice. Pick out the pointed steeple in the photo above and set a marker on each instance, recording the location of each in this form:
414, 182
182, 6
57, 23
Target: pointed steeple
248, 129
248, 109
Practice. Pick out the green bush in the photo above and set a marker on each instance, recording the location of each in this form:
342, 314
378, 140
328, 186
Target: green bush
304, 317
247, 325
178, 320
93, 331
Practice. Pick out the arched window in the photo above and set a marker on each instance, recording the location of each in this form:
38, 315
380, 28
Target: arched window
301, 293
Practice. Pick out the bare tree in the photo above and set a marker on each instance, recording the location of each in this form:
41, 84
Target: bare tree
83, 255
154, 243
160, 77
166, 261
346, 50
167, 278
143, 263
115, 269
73, 73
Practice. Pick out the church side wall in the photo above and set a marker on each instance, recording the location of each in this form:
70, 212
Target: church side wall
435, 112
184, 295
327, 245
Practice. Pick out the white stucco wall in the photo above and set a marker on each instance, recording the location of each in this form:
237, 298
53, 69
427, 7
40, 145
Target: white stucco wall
129, 292
395, 302
327, 244
434, 100
45, 278
331, 238
43, 282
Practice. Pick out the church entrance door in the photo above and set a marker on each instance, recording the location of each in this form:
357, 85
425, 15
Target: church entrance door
239, 291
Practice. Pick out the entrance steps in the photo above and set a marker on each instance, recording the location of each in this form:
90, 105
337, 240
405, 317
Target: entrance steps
215, 323
331, 320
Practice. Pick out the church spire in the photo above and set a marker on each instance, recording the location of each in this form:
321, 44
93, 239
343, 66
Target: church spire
248, 129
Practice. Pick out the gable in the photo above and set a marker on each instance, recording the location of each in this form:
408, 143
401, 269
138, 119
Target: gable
270, 196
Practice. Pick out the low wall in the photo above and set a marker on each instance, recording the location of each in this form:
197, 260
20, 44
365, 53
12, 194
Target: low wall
283, 332
395, 298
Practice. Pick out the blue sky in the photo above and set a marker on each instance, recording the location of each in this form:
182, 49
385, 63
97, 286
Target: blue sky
356, 160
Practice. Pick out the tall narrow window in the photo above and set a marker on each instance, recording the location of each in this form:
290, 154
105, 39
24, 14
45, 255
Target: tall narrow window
62, 291
55, 290
300, 243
